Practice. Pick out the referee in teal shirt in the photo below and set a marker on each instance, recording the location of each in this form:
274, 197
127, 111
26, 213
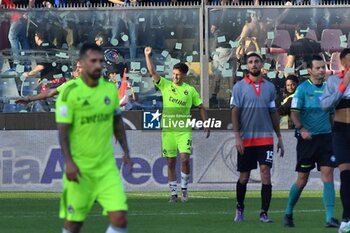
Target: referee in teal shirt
313, 132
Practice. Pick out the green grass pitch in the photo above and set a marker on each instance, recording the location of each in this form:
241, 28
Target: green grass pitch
206, 212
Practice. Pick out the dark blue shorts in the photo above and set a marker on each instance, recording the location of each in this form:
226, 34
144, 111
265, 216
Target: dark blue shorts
341, 142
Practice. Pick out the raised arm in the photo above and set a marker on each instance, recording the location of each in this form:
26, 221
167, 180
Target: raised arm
150, 66
72, 170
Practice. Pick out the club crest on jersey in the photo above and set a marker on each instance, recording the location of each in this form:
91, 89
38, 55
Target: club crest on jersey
70, 209
186, 92
107, 100
173, 89
333, 158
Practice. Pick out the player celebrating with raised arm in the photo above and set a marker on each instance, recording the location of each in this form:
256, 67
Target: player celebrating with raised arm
337, 95
254, 118
178, 98
313, 131
87, 114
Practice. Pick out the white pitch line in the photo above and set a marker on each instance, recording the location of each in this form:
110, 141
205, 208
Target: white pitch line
140, 213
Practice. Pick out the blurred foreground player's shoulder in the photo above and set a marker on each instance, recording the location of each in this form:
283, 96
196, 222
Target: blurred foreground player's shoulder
66, 89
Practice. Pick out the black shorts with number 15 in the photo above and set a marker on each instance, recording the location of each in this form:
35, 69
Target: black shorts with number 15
254, 155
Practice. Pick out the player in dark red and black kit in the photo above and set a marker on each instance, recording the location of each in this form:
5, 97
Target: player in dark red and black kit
337, 95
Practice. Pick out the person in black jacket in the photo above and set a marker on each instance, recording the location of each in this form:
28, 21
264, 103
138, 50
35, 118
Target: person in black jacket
291, 84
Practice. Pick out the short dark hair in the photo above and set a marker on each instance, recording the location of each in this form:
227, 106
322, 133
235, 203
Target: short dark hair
344, 53
89, 46
313, 58
41, 34
300, 27
253, 54
182, 67
101, 35
293, 78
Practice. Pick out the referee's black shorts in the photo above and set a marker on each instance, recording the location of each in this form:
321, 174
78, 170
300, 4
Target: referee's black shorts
341, 142
253, 155
318, 151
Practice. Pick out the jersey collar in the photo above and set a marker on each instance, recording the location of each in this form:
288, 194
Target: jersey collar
249, 81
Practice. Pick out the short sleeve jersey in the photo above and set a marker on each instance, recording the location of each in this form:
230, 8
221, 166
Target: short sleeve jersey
307, 101
177, 103
90, 112
255, 103
63, 85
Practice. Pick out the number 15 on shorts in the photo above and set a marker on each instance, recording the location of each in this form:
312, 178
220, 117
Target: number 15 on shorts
269, 156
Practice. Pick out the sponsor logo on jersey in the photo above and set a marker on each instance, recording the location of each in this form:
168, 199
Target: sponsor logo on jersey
177, 101
96, 118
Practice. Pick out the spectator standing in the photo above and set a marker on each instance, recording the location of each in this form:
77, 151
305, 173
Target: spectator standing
18, 29
131, 20
228, 26
302, 50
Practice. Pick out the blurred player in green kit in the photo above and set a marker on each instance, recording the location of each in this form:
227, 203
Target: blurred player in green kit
88, 114
178, 98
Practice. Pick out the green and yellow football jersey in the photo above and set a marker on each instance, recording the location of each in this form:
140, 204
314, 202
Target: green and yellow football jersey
90, 111
177, 103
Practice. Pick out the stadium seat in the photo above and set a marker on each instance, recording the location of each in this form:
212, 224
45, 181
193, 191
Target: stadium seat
281, 40
330, 40
281, 62
335, 64
311, 34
